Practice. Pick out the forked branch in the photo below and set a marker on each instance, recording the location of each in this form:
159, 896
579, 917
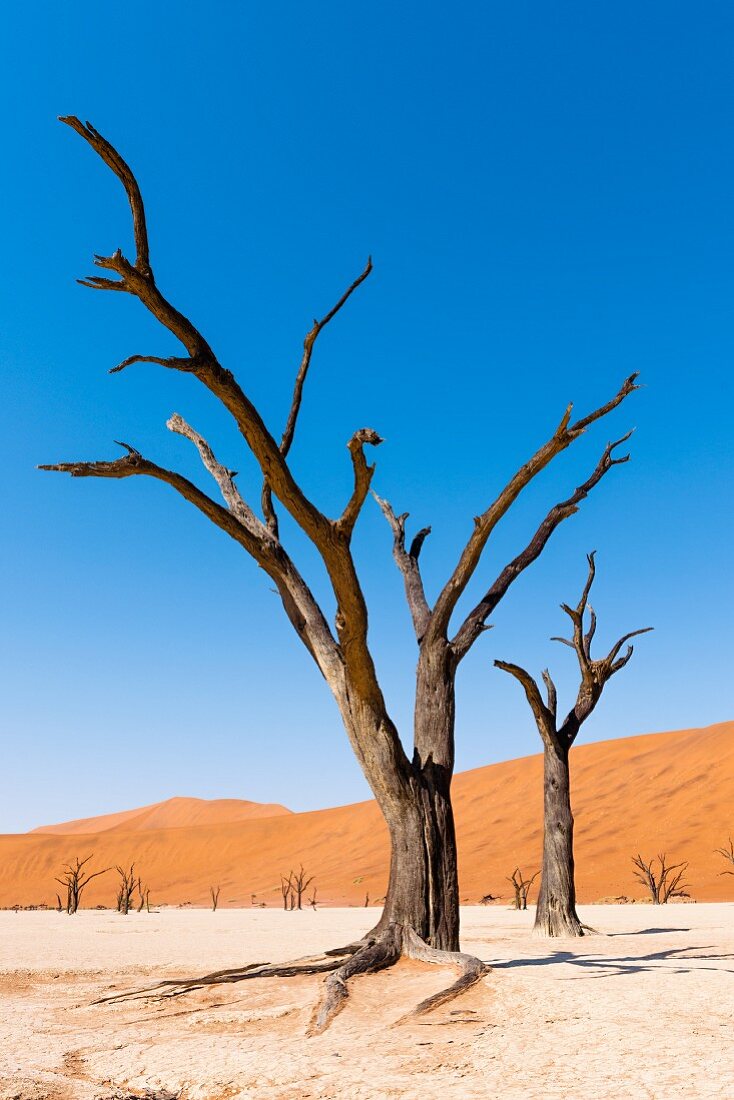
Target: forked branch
564, 435
408, 564
594, 673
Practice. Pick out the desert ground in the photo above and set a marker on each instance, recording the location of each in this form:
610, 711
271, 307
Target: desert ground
668, 792
643, 1009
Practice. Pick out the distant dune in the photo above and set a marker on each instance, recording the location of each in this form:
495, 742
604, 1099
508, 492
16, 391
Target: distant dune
670, 792
171, 814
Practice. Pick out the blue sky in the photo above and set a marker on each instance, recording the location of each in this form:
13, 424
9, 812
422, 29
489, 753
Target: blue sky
548, 195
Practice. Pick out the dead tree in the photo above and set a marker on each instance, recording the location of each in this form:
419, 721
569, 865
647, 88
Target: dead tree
286, 889
75, 880
300, 884
728, 854
412, 791
556, 910
127, 887
144, 896
521, 886
214, 892
663, 884
312, 900
59, 906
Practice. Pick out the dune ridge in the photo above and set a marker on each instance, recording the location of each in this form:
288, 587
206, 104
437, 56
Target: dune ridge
670, 792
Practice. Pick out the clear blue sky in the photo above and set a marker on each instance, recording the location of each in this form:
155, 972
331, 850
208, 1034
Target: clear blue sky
548, 195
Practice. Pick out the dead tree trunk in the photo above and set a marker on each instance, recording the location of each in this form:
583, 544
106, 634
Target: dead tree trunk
214, 892
521, 887
413, 794
556, 911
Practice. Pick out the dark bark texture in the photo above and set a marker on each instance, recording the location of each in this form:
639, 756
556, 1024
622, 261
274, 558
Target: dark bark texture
556, 911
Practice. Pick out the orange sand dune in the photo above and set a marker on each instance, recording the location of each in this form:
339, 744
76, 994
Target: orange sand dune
670, 792
173, 813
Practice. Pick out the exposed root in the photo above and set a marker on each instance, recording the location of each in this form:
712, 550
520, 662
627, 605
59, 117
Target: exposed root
175, 987
366, 957
471, 970
368, 960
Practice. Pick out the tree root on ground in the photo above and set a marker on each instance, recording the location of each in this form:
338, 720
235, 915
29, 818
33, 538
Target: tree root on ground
365, 957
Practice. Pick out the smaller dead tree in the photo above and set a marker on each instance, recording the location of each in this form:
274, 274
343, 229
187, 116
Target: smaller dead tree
75, 880
521, 886
312, 900
489, 898
59, 906
214, 892
286, 889
144, 896
127, 887
300, 884
728, 854
663, 884
556, 910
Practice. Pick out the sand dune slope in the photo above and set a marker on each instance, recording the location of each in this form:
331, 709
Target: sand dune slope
670, 792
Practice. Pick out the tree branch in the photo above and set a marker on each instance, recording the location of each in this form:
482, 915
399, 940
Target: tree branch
564, 435
298, 601
407, 563
544, 716
123, 172
362, 478
290, 427
475, 620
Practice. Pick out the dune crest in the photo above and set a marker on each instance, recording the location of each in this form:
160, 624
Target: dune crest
659, 792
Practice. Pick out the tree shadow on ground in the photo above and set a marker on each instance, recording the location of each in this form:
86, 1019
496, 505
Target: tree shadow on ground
684, 960
647, 932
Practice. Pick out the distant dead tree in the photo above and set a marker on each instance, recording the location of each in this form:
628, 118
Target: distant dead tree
144, 896
59, 906
413, 789
286, 889
728, 854
214, 892
127, 887
663, 884
556, 911
496, 897
257, 904
521, 886
367, 900
312, 900
300, 884
75, 880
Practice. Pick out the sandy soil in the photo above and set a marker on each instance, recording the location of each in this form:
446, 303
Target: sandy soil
667, 792
644, 1010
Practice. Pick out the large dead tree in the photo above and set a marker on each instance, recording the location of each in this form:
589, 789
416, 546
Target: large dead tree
728, 854
556, 910
421, 912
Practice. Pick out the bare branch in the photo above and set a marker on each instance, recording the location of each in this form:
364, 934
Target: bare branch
173, 362
407, 563
563, 436
362, 478
123, 172
223, 477
472, 625
298, 601
290, 427
544, 715
552, 693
